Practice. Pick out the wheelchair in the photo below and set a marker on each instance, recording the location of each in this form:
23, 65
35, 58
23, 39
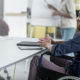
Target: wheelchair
46, 74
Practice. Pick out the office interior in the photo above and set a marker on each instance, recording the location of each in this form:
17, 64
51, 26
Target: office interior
17, 14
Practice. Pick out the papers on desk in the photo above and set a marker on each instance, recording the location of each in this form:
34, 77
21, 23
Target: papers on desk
26, 45
29, 48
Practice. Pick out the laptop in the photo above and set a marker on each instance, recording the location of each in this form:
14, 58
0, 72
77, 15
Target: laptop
26, 45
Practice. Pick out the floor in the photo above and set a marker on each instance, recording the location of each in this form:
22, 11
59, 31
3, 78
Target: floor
21, 72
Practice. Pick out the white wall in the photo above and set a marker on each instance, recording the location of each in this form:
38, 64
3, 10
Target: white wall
41, 14
15, 6
29, 3
17, 24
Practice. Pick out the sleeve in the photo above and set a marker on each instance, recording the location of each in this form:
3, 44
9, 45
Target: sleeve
72, 45
70, 6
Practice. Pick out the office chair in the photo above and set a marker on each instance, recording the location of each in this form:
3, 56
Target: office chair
46, 74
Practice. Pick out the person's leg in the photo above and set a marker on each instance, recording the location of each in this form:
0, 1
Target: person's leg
33, 68
46, 64
67, 33
59, 61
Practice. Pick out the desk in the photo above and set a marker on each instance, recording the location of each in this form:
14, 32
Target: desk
10, 53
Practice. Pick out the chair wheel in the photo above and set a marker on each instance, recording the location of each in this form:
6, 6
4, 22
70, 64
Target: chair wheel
69, 78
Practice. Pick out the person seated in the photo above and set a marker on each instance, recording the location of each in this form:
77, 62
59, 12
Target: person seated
57, 49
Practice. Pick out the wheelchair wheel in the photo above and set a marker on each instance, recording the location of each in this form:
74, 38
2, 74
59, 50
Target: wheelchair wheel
69, 78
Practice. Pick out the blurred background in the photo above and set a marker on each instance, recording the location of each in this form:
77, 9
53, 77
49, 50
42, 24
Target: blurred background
18, 14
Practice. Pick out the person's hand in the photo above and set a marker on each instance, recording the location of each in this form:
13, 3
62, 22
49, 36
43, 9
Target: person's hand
48, 38
55, 13
46, 42
50, 6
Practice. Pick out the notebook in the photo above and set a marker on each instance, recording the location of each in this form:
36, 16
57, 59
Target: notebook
26, 45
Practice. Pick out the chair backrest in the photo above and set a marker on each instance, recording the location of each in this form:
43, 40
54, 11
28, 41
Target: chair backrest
4, 29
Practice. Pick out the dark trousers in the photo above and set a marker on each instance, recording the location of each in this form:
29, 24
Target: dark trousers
56, 64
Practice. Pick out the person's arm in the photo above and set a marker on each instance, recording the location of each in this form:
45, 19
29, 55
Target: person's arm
58, 12
56, 42
51, 7
49, 46
72, 45
47, 42
70, 10
62, 14
70, 7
